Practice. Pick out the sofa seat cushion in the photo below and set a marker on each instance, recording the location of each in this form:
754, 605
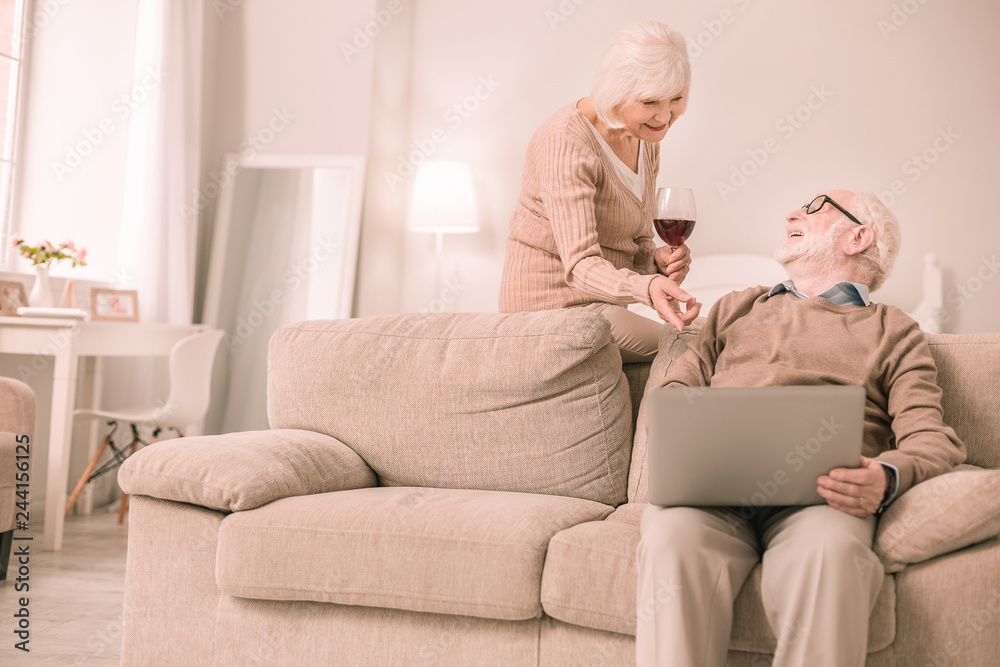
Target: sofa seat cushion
590, 580
524, 402
474, 553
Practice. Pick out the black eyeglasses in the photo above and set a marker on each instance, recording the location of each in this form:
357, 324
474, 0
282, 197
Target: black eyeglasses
816, 204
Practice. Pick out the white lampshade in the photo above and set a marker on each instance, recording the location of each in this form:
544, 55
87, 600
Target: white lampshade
443, 199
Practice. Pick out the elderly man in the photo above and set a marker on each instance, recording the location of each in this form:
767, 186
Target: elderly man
820, 577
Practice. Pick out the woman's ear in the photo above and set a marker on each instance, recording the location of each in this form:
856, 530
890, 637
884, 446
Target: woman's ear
860, 238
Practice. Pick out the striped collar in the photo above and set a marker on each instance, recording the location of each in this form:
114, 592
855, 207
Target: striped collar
843, 293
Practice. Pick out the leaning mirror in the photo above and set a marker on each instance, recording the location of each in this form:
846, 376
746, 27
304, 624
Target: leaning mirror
284, 249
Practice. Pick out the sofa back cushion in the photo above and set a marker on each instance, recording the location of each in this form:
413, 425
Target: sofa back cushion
531, 402
968, 373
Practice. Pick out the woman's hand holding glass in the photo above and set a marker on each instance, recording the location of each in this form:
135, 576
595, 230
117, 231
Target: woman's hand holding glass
674, 263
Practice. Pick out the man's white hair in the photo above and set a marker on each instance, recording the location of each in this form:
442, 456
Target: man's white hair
645, 61
880, 256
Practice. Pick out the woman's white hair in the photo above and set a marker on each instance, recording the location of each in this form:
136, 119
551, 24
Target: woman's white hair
645, 61
881, 255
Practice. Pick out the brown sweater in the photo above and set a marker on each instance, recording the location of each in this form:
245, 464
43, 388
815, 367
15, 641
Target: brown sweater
752, 340
578, 234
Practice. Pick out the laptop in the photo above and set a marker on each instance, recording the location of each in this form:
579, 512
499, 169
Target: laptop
750, 446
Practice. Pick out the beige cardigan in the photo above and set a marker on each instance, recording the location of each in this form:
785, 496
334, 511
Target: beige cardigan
578, 235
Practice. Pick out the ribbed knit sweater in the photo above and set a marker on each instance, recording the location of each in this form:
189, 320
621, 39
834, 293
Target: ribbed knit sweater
752, 340
578, 234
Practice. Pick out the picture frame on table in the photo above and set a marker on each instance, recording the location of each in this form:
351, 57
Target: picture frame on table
12, 297
116, 305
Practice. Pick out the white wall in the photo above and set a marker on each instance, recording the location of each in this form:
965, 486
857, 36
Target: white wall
889, 92
268, 58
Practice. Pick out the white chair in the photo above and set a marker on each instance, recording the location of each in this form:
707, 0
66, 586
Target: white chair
190, 371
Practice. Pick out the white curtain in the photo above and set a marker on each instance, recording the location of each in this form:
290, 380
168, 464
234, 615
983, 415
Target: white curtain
159, 226
158, 232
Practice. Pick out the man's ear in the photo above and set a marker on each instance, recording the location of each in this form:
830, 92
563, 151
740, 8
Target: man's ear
859, 239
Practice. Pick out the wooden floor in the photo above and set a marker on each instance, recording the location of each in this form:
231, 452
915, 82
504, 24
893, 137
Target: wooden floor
75, 596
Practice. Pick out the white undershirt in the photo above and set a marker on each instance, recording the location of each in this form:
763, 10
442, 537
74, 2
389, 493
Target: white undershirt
633, 181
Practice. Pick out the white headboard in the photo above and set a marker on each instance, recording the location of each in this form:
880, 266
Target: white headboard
713, 276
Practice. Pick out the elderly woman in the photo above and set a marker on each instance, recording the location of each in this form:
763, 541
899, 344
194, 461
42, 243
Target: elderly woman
582, 230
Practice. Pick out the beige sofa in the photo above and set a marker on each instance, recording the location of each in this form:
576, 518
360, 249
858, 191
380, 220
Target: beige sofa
17, 430
463, 489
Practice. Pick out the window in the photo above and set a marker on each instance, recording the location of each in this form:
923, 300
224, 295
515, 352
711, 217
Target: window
11, 65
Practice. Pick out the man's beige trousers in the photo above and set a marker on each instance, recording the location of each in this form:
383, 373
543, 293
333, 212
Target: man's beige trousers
819, 582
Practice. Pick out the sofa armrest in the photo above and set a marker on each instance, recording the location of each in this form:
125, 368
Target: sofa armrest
242, 471
938, 516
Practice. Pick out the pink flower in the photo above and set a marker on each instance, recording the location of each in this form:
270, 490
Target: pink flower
81, 254
14, 242
68, 244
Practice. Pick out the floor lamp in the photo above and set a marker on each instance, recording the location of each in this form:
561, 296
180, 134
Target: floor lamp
443, 202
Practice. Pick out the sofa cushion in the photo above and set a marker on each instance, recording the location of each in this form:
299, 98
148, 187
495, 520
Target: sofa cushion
969, 374
475, 553
590, 580
673, 344
527, 402
938, 516
241, 471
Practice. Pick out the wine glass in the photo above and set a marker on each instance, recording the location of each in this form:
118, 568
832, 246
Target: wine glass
675, 215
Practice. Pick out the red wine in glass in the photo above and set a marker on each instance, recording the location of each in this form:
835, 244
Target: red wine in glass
673, 231
675, 215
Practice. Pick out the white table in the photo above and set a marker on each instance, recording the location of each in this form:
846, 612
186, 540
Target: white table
66, 341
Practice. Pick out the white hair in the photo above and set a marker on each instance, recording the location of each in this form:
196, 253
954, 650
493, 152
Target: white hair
881, 255
645, 61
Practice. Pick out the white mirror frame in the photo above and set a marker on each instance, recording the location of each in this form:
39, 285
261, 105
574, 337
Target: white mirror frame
233, 164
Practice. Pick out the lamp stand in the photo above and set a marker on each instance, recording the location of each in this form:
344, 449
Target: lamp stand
438, 245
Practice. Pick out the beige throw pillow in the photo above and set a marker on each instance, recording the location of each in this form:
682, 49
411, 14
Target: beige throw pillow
941, 515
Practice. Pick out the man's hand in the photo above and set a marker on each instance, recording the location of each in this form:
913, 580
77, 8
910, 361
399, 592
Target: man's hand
667, 297
855, 491
674, 265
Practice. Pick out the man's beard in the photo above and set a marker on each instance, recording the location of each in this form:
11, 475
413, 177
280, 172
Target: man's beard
813, 254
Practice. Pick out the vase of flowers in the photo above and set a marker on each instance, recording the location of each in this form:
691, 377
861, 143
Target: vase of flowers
43, 256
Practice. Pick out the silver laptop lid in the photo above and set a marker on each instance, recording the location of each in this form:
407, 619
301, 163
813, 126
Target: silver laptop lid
750, 446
